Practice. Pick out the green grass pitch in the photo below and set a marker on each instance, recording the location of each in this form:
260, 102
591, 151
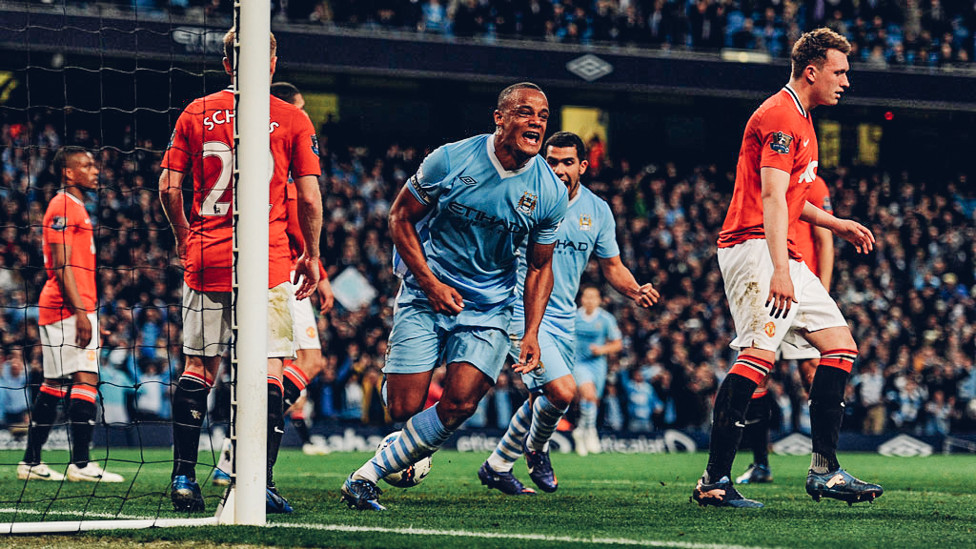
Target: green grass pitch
603, 500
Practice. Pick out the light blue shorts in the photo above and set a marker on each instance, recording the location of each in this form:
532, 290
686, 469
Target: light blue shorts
556, 358
594, 372
421, 339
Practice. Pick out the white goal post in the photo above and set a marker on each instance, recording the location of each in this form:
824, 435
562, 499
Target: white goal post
246, 498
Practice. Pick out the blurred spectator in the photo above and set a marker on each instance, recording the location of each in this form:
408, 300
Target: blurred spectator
14, 392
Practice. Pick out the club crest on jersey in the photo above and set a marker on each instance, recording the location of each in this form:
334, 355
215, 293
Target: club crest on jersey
59, 223
527, 203
770, 329
586, 222
781, 142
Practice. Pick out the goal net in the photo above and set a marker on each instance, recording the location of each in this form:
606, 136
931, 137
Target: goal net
112, 82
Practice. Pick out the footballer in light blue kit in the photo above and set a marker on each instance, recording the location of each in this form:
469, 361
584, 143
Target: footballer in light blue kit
597, 336
457, 226
588, 229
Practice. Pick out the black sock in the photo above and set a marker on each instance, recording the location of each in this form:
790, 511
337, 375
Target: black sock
81, 411
727, 422
302, 429
189, 411
756, 433
43, 414
276, 426
292, 392
826, 415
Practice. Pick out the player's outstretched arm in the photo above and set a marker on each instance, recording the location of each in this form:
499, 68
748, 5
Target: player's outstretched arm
405, 213
622, 280
538, 287
776, 227
310, 218
860, 236
171, 197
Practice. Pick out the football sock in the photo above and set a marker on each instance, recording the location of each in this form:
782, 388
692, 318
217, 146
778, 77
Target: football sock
587, 414
189, 410
421, 436
294, 382
43, 414
276, 423
756, 432
827, 407
298, 423
728, 418
510, 446
81, 411
224, 464
545, 417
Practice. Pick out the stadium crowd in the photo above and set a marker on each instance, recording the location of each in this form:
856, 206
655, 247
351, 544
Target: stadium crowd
911, 302
884, 33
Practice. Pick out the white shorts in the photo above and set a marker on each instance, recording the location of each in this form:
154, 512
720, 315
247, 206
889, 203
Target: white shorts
207, 322
306, 331
61, 357
746, 269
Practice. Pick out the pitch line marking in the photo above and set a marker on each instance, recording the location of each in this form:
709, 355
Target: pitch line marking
429, 532
500, 535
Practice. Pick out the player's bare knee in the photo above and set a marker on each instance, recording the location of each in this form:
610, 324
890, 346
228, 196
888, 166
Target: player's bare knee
454, 411
402, 409
560, 395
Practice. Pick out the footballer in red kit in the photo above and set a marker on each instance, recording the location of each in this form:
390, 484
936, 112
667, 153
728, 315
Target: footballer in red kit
68, 325
202, 147
773, 296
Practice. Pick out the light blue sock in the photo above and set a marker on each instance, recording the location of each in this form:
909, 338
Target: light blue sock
587, 418
421, 436
509, 448
545, 417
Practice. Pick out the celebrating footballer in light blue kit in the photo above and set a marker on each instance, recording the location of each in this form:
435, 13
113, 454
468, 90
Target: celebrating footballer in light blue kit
457, 226
587, 229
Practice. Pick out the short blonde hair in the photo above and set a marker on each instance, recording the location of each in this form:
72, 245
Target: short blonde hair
811, 49
229, 44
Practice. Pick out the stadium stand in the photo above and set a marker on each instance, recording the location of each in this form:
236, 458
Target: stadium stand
884, 33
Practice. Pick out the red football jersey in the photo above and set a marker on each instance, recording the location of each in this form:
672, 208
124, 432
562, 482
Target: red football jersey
778, 135
203, 141
802, 232
66, 222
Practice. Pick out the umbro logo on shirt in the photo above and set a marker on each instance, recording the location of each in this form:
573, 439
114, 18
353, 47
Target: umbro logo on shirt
468, 180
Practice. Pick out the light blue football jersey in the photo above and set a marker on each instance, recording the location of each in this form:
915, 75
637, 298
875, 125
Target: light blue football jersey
480, 215
594, 330
587, 229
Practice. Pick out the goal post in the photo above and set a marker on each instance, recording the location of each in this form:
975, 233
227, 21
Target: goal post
249, 397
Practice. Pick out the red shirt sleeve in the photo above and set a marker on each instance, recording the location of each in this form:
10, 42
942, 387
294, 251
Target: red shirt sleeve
779, 140
305, 148
177, 157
